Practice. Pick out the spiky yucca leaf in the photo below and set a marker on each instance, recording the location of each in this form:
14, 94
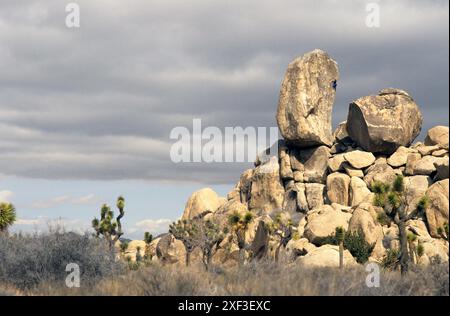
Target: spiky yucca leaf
411, 237
420, 249
120, 203
340, 234
7, 215
248, 217
234, 218
423, 203
393, 200
148, 238
398, 185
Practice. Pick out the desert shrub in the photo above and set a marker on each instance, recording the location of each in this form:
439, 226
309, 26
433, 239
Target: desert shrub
27, 260
354, 242
390, 260
383, 219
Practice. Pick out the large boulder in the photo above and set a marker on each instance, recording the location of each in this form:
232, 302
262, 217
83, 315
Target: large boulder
363, 221
442, 170
380, 172
336, 163
411, 161
426, 165
437, 211
359, 159
359, 192
299, 247
436, 248
311, 162
259, 244
322, 223
306, 100
400, 157
267, 191
415, 188
337, 188
315, 195
241, 192
437, 135
326, 256
230, 207
384, 122
204, 200
170, 250
302, 201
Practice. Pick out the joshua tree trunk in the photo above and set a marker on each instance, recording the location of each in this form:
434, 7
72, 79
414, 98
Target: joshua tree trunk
277, 252
341, 255
404, 253
207, 261
412, 253
241, 256
188, 257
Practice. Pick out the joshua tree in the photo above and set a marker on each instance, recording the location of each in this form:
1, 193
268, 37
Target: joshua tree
138, 255
411, 237
208, 239
239, 225
394, 201
186, 231
340, 236
7, 216
108, 227
123, 247
148, 238
284, 229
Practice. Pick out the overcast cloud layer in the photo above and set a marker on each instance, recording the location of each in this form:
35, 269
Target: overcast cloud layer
99, 102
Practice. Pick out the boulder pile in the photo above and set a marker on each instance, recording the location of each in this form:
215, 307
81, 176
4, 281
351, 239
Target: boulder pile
321, 179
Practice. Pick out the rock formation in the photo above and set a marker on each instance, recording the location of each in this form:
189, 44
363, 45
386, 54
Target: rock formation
306, 100
322, 180
384, 122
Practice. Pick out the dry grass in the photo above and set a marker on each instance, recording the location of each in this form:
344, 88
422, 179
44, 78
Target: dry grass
34, 265
264, 279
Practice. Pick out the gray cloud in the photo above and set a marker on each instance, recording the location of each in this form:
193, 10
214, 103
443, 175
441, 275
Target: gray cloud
99, 102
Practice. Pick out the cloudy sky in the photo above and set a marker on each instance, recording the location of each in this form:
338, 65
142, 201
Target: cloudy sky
86, 113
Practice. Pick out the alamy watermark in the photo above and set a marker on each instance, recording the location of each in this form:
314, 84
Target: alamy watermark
73, 15
373, 15
73, 278
373, 278
232, 144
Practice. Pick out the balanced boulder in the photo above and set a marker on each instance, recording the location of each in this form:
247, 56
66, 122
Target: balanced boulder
384, 122
306, 100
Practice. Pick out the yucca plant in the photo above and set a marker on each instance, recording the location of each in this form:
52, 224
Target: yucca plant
239, 224
124, 247
148, 238
7, 216
209, 237
107, 226
138, 254
284, 229
396, 206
